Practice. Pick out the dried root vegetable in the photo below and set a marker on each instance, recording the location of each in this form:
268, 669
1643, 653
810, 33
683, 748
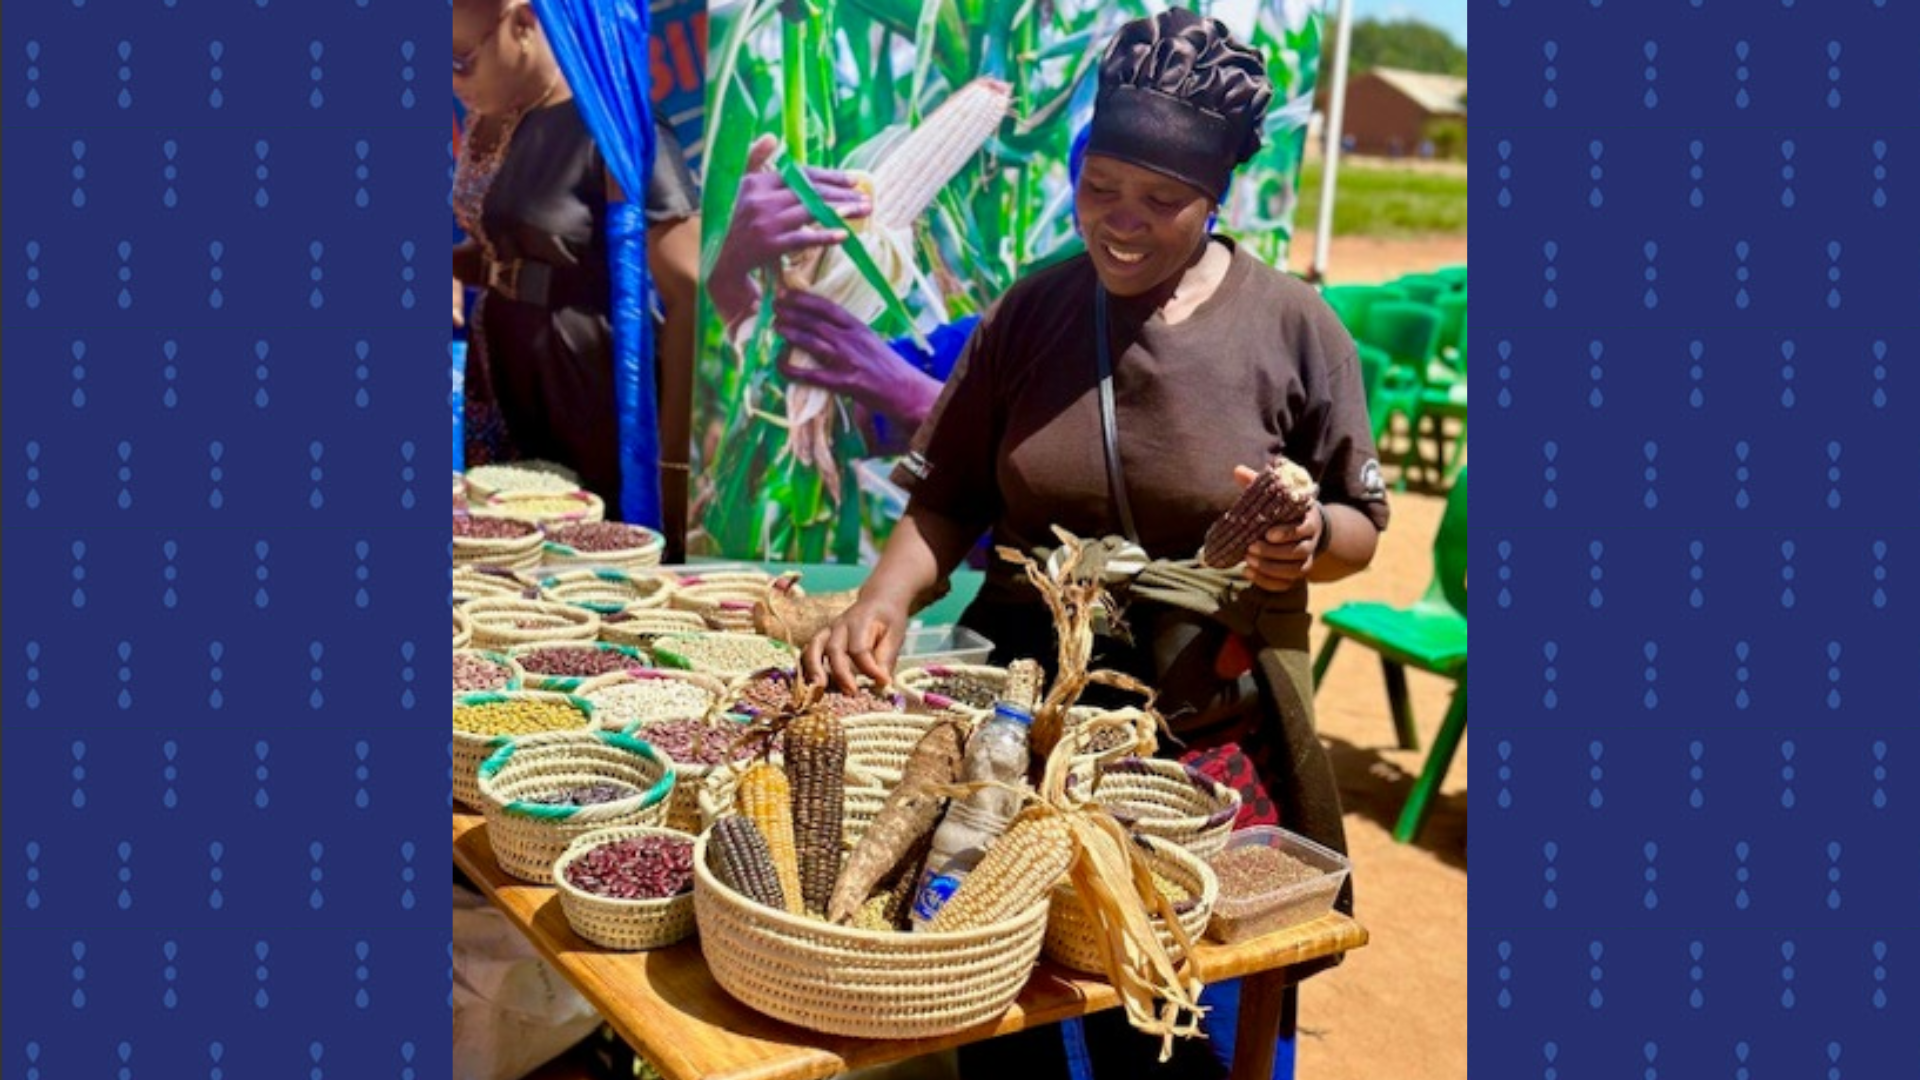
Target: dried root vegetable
910, 813
785, 615
1281, 495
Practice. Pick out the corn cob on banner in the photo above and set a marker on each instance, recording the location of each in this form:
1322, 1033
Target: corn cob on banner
956, 120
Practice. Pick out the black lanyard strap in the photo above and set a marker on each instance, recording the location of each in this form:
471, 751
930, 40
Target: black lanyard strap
1109, 427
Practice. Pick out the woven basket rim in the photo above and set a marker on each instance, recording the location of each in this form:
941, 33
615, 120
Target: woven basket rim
502, 757
491, 696
1170, 851
1179, 771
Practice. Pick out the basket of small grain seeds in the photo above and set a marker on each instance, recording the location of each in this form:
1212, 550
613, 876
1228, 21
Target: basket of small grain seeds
501, 622
476, 671
486, 481
475, 582
568, 668
608, 592
494, 541
462, 629
640, 628
541, 792
628, 887
971, 687
481, 721
611, 544
723, 655
1166, 799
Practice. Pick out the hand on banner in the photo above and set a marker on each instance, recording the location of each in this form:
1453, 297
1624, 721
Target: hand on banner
851, 359
769, 223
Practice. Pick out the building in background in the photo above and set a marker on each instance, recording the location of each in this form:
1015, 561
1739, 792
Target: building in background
1396, 113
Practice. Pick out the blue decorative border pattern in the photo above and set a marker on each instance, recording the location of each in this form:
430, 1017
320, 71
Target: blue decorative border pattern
1693, 234
224, 540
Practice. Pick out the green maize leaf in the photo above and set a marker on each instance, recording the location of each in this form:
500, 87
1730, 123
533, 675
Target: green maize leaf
793, 73
857, 251
925, 38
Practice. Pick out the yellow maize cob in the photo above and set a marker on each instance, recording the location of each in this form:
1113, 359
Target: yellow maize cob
816, 751
764, 797
1017, 872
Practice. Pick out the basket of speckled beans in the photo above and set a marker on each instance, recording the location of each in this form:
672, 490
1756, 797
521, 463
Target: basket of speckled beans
477, 670
611, 545
566, 668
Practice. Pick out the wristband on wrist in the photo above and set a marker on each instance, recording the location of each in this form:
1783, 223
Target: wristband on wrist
1326, 530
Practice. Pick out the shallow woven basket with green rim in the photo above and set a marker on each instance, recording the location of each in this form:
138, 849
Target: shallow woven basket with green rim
645, 553
543, 508
1165, 799
1074, 942
724, 605
528, 657
482, 582
510, 675
724, 655
528, 836
470, 748
641, 628
626, 925
502, 622
869, 984
608, 592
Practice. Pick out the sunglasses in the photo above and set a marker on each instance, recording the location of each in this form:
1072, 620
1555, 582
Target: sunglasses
463, 64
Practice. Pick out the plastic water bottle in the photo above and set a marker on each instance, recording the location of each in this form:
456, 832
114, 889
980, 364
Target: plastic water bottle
998, 751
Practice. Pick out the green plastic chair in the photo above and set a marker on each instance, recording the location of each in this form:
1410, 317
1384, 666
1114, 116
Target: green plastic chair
1455, 276
1408, 333
1353, 303
1422, 288
1453, 324
1431, 636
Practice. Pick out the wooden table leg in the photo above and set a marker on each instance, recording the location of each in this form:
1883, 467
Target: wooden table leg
1259, 1028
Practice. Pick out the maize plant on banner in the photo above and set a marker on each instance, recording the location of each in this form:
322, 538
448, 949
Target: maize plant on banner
956, 117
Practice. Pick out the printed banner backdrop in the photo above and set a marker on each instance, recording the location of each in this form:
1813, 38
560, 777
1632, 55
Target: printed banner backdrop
1692, 777
225, 552
780, 474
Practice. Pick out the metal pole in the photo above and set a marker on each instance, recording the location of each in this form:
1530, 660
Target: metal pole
1336, 116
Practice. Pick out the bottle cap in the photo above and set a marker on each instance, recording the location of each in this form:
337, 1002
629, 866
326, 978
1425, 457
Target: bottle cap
1008, 711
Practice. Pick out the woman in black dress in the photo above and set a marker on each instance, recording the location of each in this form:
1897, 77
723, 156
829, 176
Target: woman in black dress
531, 191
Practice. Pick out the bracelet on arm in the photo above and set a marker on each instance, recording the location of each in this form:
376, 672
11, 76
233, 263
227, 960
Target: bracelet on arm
1326, 529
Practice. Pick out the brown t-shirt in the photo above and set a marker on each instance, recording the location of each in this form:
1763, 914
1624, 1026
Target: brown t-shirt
1262, 367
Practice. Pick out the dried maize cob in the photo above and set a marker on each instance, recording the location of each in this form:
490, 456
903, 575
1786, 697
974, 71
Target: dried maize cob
764, 797
816, 750
739, 858
1017, 871
1282, 494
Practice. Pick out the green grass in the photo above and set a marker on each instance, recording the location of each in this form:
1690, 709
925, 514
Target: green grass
1384, 201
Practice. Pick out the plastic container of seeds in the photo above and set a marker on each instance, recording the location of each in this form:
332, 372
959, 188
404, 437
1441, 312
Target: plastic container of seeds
1276, 880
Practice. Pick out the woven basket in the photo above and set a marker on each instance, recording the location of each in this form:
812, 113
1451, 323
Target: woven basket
1168, 800
1139, 721
865, 794
916, 681
862, 983
502, 623
459, 491
737, 575
725, 605
462, 629
527, 838
693, 652
626, 925
612, 718
514, 679
480, 582
645, 553
469, 749
486, 481
881, 742
527, 656
684, 810
607, 591
520, 552
640, 628
543, 508
1072, 940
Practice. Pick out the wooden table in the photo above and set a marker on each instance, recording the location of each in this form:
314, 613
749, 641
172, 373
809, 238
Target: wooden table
667, 1005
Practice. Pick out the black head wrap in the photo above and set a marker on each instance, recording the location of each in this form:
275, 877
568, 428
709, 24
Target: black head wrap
1180, 96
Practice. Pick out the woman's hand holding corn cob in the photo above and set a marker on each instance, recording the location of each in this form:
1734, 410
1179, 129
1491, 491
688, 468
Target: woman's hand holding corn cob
851, 359
769, 223
1282, 556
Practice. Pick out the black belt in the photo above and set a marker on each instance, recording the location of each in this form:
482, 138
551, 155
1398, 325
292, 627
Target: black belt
530, 281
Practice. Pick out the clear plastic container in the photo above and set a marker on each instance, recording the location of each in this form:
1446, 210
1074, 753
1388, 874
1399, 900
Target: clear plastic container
1262, 910
952, 645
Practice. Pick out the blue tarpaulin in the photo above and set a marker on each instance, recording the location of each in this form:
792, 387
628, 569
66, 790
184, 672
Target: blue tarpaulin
602, 49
